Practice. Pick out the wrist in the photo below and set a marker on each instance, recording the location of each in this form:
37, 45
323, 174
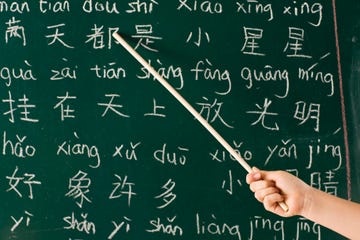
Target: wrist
309, 202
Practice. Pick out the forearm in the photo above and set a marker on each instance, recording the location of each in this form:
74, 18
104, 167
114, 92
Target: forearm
335, 213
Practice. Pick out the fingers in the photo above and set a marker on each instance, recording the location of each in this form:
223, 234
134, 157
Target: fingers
265, 190
268, 194
262, 194
259, 185
253, 176
261, 188
271, 202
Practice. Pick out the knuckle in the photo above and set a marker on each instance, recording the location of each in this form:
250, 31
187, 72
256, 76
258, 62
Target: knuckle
268, 204
258, 196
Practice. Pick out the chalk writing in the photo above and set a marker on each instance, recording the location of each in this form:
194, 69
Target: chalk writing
268, 74
14, 7
163, 155
255, 7
167, 228
205, 70
122, 187
109, 7
9, 74
172, 73
20, 220
78, 188
260, 224
81, 225
67, 148
125, 224
56, 7
64, 73
203, 6
27, 179
17, 147
145, 7
15, 30
211, 226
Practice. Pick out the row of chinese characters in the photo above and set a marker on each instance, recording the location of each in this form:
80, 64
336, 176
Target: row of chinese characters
99, 37
111, 103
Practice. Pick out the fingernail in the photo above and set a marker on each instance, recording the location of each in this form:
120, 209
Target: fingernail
255, 169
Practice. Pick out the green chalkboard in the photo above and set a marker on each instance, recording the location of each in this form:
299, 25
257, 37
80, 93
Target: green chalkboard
92, 147
350, 61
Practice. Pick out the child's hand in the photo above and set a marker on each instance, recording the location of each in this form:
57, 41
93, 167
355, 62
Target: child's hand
272, 187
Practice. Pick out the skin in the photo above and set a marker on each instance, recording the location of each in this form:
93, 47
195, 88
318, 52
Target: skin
272, 187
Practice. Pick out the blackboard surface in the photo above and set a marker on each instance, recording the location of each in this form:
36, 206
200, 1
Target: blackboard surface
351, 62
92, 147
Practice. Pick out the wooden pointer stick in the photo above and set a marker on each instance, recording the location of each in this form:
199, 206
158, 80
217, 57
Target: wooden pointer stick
185, 103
